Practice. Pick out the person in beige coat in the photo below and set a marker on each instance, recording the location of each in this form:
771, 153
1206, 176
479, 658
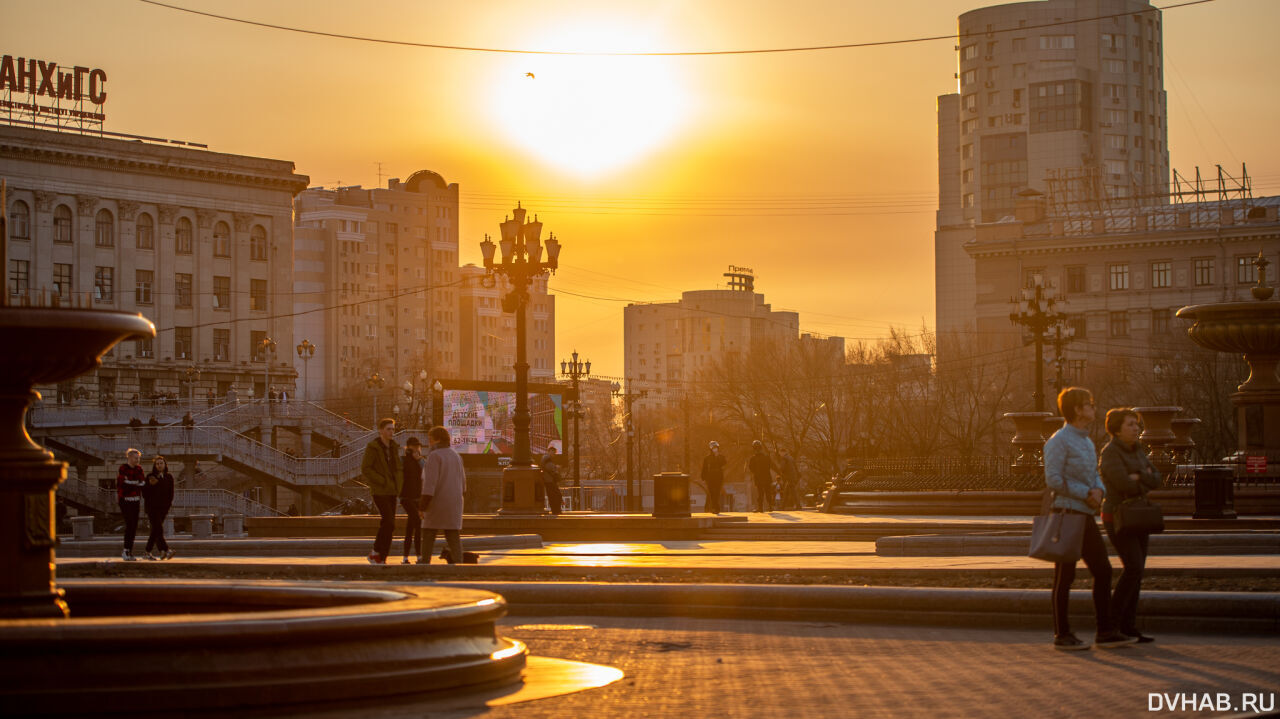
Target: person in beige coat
443, 483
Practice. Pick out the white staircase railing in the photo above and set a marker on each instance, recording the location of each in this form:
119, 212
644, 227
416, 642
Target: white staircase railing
219, 500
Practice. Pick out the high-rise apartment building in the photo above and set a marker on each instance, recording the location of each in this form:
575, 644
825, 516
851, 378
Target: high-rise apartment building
377, 283
488, 335
1060, 97
668, 344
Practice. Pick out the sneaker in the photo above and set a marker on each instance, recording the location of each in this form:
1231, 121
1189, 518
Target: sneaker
127, 556
1113, 639
404, 561
152, 557
375, 558
1069, 643
1142, 638
168, 554
424, 559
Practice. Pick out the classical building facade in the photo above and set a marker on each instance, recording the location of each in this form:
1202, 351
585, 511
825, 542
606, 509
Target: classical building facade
1062, 97
488, 335
199, 242
1123, 276
377, 283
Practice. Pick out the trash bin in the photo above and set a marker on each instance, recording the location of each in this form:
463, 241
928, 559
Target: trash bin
1215, 492
671, 494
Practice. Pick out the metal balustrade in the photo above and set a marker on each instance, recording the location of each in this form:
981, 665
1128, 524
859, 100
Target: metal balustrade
219, 501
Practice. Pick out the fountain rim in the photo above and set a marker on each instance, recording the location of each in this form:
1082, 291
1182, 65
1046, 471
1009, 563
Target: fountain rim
1224, 310
388, 606
64, 318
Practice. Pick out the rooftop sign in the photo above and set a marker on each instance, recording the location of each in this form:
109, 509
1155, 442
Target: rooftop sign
43, 93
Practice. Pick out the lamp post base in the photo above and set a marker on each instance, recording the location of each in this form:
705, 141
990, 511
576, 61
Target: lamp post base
522, 492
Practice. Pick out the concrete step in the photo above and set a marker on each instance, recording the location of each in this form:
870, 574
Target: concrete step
1011, 545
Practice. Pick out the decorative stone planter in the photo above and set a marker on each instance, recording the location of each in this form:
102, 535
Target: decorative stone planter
201, 526
1157, 435
1182, 445
1028, 438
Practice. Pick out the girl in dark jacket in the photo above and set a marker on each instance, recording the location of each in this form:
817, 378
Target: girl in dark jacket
158, 494
1127, 473
129, 484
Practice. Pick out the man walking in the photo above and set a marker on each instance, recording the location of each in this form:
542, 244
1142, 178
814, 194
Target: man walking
761, 467
410, 498
551, 481
713, 477
443, 482
380, 468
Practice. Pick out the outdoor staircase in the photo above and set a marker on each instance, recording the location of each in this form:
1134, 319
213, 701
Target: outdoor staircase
185, 501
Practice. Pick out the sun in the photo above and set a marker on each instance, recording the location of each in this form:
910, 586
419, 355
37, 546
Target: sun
590, 114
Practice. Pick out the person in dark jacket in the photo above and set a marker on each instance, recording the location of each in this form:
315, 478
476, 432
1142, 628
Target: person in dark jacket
789, 476
551, 481
410, 498
380, 469
713, 477
761, 467
129, 483
1127, 473
157, 497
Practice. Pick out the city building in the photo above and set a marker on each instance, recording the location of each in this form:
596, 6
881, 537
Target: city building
670, 343
487, 334
1061, 97
199, 242
1121, 277
376, 285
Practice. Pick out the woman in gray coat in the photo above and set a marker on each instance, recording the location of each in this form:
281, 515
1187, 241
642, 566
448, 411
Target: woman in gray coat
443, 483
1127, 473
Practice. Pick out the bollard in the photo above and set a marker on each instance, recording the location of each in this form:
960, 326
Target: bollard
1215, 492
82, 527
201, 526
233, 525
671, 494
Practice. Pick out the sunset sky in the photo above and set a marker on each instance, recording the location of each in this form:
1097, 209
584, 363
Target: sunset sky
817, 169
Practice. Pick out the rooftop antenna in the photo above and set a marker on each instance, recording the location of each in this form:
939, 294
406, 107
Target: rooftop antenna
379, 164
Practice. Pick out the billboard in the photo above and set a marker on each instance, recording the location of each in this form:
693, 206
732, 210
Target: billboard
481, 421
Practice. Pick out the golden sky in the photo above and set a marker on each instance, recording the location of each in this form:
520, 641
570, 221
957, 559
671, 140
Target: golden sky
817, 170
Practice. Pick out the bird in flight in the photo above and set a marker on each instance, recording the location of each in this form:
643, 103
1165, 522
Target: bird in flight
528, 74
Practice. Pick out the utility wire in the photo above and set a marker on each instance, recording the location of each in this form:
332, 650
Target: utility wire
684, 53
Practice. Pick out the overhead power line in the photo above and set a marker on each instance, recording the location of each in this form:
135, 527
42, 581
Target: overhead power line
753, 51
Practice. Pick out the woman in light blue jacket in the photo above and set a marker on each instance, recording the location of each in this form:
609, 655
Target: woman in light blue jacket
1071, 472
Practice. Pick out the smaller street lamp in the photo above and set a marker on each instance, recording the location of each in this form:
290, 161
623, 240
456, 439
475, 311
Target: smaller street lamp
306, 349
575, 370
374, 383
192, 374
268, 348
1036, 309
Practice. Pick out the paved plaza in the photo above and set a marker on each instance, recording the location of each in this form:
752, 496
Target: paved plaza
706, 668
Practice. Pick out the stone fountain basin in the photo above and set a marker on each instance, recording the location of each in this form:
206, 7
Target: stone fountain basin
164, 645
1237, 327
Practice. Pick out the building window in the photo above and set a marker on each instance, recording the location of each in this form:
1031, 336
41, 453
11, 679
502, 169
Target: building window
182, 236
142, 286
1019, 44
1161, 275
1119, 324
1119, 276
257, 243
971, 102
969, 76
1160, 321
1116, 142
969, 52
104, 233
62, 224
1080, 324
1057, 42
967, 200
966, 176
182, 348
221, 293
145, 232
1203, 270
144, 348
182, 290
1033, 277
222, 344
19, 277
1075, 279
258, 295
62, 286
966, 152
221, 240
20, 221
1246, 271
104, 284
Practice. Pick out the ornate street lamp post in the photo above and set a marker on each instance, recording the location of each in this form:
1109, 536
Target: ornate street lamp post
1037, 312
374, 383
268, 348
576, 370
521, 261
192, 374
305, 350
629, 427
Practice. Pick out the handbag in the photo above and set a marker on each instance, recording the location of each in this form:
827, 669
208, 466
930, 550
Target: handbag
1138, 515
1058, 536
